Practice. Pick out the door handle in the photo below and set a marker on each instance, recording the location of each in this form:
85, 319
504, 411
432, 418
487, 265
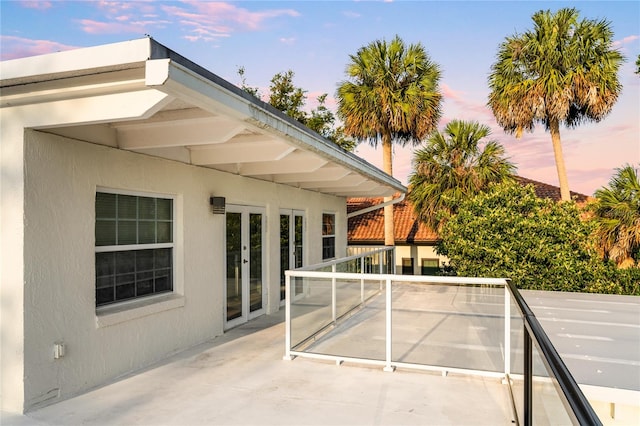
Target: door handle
244, 260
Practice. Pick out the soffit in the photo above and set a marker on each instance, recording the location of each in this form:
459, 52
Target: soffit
185, 133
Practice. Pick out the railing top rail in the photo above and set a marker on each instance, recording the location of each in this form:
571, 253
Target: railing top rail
344, 259
404, 278
578, 403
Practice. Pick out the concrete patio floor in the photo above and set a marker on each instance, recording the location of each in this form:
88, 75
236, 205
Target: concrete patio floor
240, 378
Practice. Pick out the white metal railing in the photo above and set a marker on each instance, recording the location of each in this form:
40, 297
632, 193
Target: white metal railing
327, 295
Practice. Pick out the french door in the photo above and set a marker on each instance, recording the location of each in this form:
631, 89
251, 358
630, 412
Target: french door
245, 290
291, 247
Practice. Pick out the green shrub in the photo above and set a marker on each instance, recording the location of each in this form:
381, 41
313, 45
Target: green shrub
612, 280
509, 232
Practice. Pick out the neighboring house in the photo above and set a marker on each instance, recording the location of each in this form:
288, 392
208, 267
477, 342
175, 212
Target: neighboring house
415, 241
146, 206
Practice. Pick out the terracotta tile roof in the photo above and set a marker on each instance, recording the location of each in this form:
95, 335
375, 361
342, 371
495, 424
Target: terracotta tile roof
369, 227
544, 190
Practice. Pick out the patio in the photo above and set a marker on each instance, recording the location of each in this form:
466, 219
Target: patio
240, 378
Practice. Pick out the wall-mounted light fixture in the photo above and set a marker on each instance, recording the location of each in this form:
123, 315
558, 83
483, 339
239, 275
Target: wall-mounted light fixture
217, 205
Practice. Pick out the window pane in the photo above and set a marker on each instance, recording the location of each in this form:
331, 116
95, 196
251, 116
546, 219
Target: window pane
127, 231
127, 207
125, 279
104, 295
162, 258
298, 241
105, 206
146, 208
146, 232
126, 291
105, 232
105, 264
163, 283
125, 262
105, 282
328, 224
165, 232
164, 209
328, 247
144, 260
144, 283
120, 275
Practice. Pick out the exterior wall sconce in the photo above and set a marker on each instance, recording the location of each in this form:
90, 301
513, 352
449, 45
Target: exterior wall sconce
217, 205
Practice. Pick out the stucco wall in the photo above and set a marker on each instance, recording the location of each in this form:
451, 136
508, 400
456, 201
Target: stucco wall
11, 265
61, 176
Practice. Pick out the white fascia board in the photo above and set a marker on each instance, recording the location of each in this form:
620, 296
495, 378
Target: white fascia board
90, 110
76, 61
180, 81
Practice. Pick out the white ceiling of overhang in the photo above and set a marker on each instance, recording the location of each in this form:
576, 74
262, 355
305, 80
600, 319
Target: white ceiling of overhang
179, 132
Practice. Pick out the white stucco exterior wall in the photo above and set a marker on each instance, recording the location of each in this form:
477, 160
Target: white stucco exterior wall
58, 305
11, 265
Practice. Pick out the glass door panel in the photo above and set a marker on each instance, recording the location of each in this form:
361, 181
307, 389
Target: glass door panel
298, 249
234, 266
255, 264
285, 231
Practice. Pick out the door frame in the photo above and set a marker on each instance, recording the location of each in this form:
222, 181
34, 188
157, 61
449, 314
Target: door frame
245, 212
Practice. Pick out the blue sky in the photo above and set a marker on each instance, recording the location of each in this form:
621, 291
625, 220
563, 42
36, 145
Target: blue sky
315, 39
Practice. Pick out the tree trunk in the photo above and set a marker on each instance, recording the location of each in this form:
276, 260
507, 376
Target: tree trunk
554, 126
387, 164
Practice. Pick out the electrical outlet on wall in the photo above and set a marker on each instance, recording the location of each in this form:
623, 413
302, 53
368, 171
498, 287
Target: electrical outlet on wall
58, 350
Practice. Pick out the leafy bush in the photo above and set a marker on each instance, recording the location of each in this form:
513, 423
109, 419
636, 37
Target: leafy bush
509, 232
613, 280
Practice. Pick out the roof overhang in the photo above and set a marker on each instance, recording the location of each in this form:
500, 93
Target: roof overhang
142, 97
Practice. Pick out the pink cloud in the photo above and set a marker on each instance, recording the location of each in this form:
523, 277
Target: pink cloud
35, 4
449, 93
625, 40
288, 40
118, 7
211, 19
124, 17
96, 27
19, 47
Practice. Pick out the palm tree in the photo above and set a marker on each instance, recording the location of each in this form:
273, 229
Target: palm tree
564, 72
391, 96
617, 215
453, 166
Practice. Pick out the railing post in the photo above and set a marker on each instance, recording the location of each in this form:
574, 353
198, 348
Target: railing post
528, 379
380, 260
507, 332
333, 294
287, 310
389, 333
362, 263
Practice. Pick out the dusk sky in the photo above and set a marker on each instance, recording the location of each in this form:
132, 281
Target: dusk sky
315, 38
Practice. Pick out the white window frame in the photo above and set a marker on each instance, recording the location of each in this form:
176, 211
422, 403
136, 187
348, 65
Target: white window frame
111, 313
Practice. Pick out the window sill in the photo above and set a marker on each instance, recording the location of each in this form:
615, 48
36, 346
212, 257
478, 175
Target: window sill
122, 312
